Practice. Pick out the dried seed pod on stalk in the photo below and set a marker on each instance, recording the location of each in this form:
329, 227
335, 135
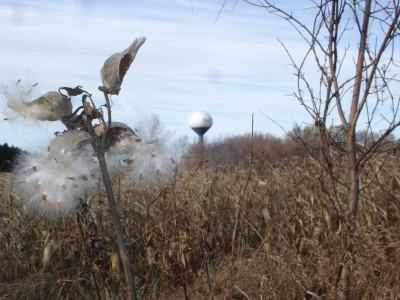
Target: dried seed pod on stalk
138, 152
60, 106
118, 131
115, 68
51, 180
20, 109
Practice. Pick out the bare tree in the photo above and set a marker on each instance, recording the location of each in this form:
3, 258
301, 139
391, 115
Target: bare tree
351, 94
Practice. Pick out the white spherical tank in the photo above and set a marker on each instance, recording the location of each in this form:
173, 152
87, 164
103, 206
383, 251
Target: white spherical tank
200, 121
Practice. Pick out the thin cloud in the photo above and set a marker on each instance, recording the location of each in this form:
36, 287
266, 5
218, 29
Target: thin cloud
66, 44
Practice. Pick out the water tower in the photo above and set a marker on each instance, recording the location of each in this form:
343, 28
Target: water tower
200, 121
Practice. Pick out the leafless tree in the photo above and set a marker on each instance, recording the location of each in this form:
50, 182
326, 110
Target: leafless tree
330, 36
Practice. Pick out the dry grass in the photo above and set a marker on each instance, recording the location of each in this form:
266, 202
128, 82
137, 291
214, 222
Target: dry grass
179, 235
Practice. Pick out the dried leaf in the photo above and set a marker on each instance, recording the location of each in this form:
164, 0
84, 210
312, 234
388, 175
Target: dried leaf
95, 154
36, 187
89, 110
75, 185
64, 187
84, 178
72, 178
34, 168
76, 91
55, 160
58, 204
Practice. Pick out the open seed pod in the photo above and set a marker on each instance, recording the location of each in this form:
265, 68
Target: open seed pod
115, 68
51, 180
52, 106
118, 132
70, 140
116, 129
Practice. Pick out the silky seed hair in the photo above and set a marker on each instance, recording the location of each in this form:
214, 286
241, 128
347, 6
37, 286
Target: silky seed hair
52, 178
142, 153
14, 97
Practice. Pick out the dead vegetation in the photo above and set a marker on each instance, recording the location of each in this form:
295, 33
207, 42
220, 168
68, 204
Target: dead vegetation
179, 234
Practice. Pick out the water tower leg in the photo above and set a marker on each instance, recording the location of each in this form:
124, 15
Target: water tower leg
200, 139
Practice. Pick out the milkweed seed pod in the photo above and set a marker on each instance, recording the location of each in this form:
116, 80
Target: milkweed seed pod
118, 132
52, 180
18, 107
54, 106
140, 155
69, 141
120, 143
116, 129
115, 68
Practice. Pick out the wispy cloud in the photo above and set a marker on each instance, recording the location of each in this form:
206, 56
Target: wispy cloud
231, 68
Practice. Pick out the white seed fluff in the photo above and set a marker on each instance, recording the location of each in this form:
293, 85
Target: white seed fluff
51, 180
142, 156
16, 104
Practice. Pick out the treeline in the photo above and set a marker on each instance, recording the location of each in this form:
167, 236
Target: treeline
7, 156
234, 150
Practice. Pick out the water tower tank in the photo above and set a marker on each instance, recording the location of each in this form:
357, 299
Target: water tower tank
200, 121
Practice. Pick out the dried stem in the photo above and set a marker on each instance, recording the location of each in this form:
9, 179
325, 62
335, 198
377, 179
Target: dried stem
100, 147
240, 204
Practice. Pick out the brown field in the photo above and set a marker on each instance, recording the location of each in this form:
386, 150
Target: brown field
179, 234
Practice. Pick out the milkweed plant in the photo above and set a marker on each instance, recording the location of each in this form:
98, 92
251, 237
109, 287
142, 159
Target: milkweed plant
53, 178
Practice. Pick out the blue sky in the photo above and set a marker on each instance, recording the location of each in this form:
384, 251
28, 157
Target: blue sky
231, 68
